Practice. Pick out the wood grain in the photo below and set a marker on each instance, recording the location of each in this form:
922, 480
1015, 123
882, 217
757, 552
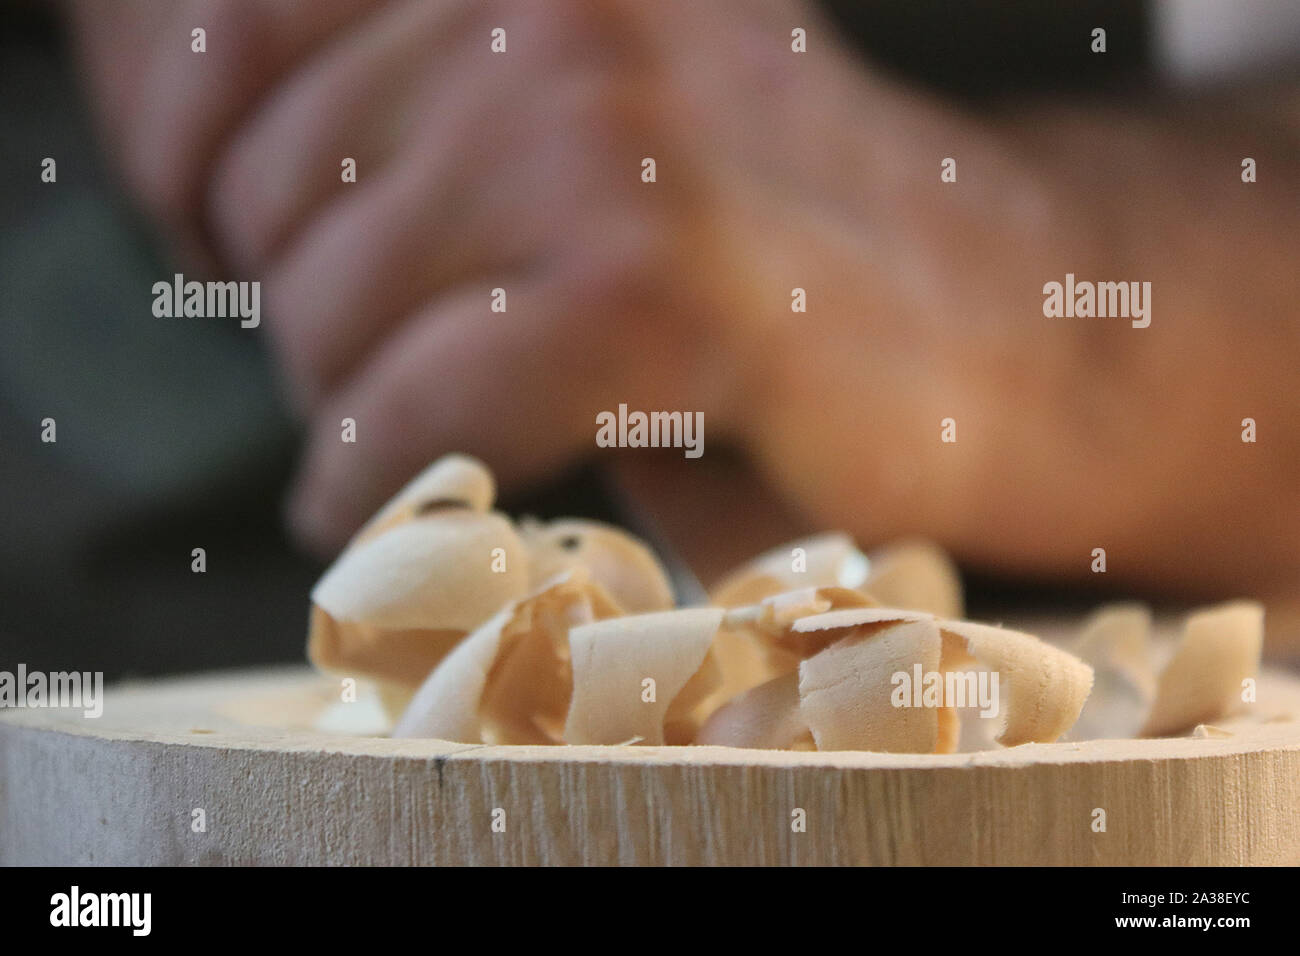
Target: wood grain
121, 790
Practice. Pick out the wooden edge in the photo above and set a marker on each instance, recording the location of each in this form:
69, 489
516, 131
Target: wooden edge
199, 691
124, 789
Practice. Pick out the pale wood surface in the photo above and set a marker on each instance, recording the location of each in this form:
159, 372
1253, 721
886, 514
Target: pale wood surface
120, 790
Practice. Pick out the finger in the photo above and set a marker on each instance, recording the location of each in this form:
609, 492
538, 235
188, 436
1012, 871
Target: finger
356, 99
513, 389
181, 103
487, 201
594, 326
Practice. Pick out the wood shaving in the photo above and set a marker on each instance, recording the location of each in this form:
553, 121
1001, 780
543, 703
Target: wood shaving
492, 632
510, 681
914, 574
1116, 642
435, 563
625, 567
1219, 650
613, 660
845, 690
1202, 680
1044, 687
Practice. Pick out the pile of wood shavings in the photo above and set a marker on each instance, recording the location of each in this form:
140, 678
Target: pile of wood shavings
479, 629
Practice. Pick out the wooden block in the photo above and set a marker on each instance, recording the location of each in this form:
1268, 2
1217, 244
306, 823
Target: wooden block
123, 790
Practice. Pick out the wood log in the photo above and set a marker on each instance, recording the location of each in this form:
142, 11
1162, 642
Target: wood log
242, 748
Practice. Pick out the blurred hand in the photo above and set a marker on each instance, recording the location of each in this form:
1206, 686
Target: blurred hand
775, 171
476, 171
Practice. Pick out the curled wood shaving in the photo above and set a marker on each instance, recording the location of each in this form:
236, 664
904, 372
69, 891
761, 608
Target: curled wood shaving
778, 613
845, 683
774, 621
1115, 642
453, 481
435, 563
510, 681
913, 574
756, 643
435, 573
622, 564
764, 716
844, 691
918, 575
417, 578
829, 560
1209, 730
1042, 687
1219, 649
565, 632
613, 659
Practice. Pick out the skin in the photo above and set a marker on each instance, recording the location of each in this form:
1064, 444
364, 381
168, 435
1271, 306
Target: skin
478, 171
